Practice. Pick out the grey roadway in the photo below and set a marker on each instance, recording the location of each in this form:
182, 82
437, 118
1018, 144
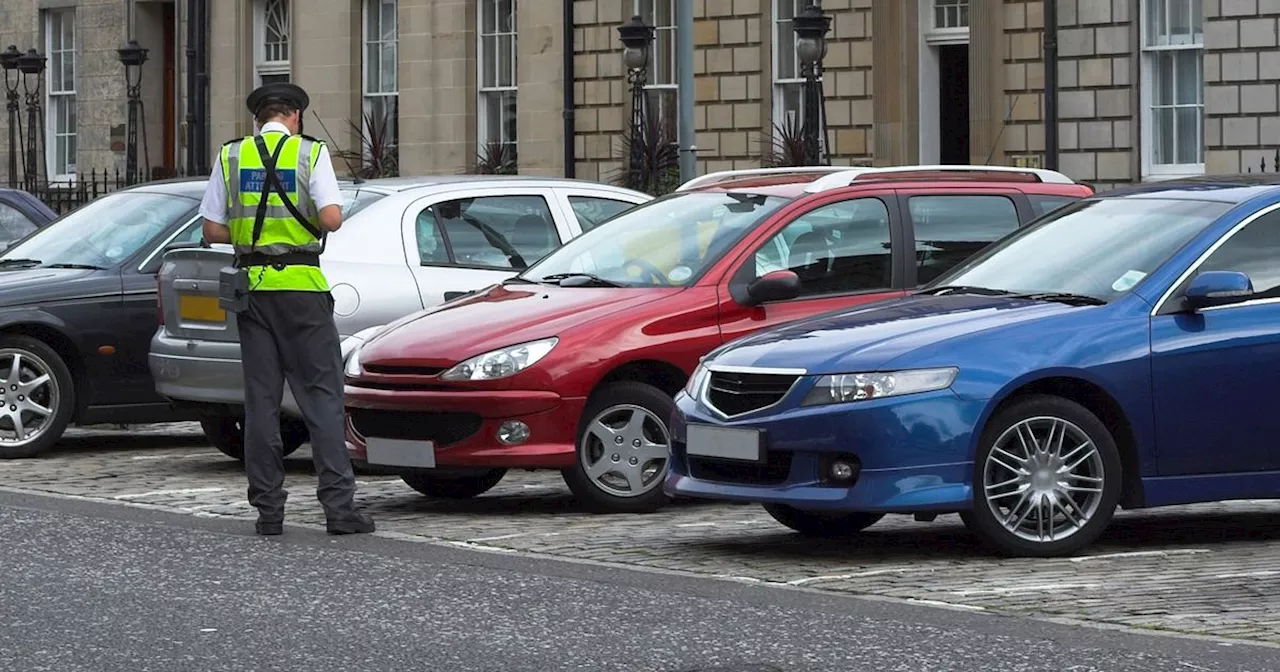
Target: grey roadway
92, 586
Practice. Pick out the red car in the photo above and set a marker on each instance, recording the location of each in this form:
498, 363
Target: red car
573, 364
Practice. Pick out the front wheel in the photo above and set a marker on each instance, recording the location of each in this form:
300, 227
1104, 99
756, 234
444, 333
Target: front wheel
226, 433
821, 523
1046, 479
623, 450
37, 397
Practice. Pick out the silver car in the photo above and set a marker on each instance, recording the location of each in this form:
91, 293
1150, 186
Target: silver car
412, 243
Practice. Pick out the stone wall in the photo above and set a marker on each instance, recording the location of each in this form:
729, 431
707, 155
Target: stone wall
1241, 70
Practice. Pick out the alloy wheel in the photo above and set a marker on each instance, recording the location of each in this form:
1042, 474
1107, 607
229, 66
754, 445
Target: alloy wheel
625, 451
1043, 480
28, 397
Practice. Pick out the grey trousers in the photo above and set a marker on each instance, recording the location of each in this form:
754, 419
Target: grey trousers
291, 336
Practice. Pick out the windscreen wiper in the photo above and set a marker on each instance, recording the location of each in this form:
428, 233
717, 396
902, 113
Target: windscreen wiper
19, 262
589, 278
89, 267
1062, 297
965, 289
517, 280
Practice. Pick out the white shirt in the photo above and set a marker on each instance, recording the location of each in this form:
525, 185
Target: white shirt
323, 184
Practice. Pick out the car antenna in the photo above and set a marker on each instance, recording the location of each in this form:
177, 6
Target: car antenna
356, 179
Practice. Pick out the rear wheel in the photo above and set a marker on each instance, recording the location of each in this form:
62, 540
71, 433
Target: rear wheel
37, 397
226, 433
623, 450
822, 524
453, 485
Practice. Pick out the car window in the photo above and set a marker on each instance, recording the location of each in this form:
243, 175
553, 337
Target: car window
592, 211
1254, 251
354, 200
13, 224
488, 231
840, 247
950, 229
105, 231
1042, 204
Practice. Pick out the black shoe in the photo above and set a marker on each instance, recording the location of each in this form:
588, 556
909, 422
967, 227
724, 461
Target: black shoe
269, 528
356, 523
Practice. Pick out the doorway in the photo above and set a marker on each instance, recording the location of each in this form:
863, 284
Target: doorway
953, 104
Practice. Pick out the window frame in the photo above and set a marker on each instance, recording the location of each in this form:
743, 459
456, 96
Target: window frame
782, 84
744, 271
409, 222
368, 96
1023, 213
261, 66
1148, 55
654, 90
1169, 302
52, 160
487, 95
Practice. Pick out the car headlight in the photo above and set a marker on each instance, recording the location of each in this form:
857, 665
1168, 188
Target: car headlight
694, 387
353, 344
352, 368
841, 388
502, 362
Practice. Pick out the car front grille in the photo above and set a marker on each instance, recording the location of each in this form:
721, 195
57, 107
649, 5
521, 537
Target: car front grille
775, 470
404, 370
736, 393
442, 428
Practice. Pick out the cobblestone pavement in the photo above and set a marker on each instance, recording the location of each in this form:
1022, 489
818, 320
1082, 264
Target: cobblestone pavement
1206, 569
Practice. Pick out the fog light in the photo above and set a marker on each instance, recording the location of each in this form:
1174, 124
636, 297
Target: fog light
840, 470
512, 432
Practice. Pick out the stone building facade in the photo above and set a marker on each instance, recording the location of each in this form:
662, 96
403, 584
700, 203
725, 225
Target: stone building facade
1147, 89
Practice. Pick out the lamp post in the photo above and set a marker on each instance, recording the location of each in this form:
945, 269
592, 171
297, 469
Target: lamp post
133, 56
12, 79
31, 64
636, 37
811, 27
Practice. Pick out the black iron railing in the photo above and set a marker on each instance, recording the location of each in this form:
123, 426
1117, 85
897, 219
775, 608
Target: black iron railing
63, 196
1262, 164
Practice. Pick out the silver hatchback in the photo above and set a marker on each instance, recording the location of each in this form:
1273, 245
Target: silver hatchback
411, 243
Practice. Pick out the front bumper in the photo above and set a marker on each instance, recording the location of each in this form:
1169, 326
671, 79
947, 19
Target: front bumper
915, 454
462, 426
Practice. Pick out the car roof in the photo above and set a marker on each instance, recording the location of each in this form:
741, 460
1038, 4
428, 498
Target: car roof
1234, 189
802, 181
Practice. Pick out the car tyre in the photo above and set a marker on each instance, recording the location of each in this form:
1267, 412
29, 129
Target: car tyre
446, 486
226, 433
823, 523
612, 412
1070, 489
57, 394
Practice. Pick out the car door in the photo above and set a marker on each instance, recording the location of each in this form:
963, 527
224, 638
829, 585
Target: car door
464, 240
592, 207
947, 226
1214, 372
842, 250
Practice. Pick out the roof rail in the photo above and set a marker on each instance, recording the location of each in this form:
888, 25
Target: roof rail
845, 177
727, 175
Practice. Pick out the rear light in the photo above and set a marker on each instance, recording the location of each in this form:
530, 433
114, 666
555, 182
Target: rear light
159, 303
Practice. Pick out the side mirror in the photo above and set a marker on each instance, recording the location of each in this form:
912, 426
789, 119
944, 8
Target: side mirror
774, 286
1218, 288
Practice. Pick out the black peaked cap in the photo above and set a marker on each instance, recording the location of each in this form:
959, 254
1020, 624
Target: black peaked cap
278, 92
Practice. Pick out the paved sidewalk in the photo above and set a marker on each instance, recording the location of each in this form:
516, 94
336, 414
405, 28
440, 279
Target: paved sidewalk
1208, 569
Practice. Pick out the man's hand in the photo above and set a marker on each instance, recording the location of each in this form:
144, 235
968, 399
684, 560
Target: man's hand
216, 233
330, 218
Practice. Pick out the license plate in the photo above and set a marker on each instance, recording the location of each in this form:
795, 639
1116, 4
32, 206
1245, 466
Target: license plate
201, 309
401, 453
725, 443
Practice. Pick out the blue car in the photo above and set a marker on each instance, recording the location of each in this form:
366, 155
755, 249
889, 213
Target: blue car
1123, 350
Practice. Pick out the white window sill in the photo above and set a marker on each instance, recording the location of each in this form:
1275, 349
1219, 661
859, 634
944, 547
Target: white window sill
1173, 173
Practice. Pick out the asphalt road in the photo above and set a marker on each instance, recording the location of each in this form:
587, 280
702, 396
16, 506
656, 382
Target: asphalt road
91, 586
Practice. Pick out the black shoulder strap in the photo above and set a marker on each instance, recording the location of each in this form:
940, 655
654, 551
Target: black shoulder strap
272, 182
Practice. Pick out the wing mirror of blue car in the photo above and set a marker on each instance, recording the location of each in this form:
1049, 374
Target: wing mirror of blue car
1218, 288
773, 286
